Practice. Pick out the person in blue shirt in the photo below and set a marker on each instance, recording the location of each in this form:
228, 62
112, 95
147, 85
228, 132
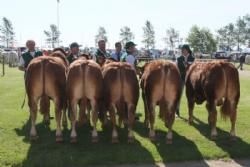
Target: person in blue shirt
117, 54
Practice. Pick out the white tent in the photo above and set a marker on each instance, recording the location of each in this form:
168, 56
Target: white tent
246, 50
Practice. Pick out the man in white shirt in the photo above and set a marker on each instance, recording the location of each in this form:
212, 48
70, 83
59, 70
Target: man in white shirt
129, 56
29, 55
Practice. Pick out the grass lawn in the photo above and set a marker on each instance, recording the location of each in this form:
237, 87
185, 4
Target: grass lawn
189, 142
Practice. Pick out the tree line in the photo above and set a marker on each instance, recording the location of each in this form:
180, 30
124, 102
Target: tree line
201, 39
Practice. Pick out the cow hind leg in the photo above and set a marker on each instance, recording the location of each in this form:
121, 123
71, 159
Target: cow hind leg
64, 116
131, 119
113, 120
190, 111
212, 118
33, 117
94, 120
146, 121
73, 113
44, 109
58, 115
233, 116
82, 118
169, 120
152, 121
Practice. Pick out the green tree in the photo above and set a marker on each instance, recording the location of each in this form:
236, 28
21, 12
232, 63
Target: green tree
247, 20
101, 35
126, 35
149, 35
201, 39
52, 35
172, 36
7, 31
226, 36
240, 32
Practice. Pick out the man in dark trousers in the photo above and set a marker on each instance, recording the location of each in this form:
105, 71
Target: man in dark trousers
183, 62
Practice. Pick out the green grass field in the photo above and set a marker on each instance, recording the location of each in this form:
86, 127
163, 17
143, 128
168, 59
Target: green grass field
189, 142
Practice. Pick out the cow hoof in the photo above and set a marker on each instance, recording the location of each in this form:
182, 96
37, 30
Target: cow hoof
169, 141
34, 138
152, 138
131, 139
59, 139
213, 137
233, 138
115, 140
73, 140
95, 139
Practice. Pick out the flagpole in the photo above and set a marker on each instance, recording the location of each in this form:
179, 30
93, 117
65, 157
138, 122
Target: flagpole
58, 1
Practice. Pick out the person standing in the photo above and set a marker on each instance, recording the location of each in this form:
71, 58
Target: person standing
183, 63
24, 61
129, 55
26, 57
117, 54
74, 52
101, 53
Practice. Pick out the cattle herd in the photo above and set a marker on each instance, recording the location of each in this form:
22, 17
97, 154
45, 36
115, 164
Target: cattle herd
102, 92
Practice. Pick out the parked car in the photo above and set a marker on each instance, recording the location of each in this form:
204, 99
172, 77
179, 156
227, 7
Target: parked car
221, 55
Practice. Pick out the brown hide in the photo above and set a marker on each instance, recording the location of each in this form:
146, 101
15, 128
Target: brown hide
84, 86
121, 93
46, 76
217, 83
161, 85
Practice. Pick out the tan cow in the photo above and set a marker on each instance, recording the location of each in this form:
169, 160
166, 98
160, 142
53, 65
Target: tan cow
46, 77
84, 85
161, 85
121, 93
216, 82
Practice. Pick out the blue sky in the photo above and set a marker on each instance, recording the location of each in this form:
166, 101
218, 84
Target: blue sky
80, 19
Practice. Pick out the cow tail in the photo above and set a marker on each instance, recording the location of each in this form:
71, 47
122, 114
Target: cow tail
44, 102
43, 76
226, 107
143, 87
122, 104
164, 73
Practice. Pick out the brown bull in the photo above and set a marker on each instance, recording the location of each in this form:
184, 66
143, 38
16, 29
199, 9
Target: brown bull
84, 85
217, 83
46, 77
121, 93
161, 85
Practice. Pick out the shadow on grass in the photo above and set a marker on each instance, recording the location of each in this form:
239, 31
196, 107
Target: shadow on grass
182, 148
235, 149
46, 152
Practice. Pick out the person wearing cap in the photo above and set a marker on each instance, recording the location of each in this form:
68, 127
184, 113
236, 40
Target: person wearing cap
129, 56
26, 57
117, 54
101, 53
74, 51
183, 62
